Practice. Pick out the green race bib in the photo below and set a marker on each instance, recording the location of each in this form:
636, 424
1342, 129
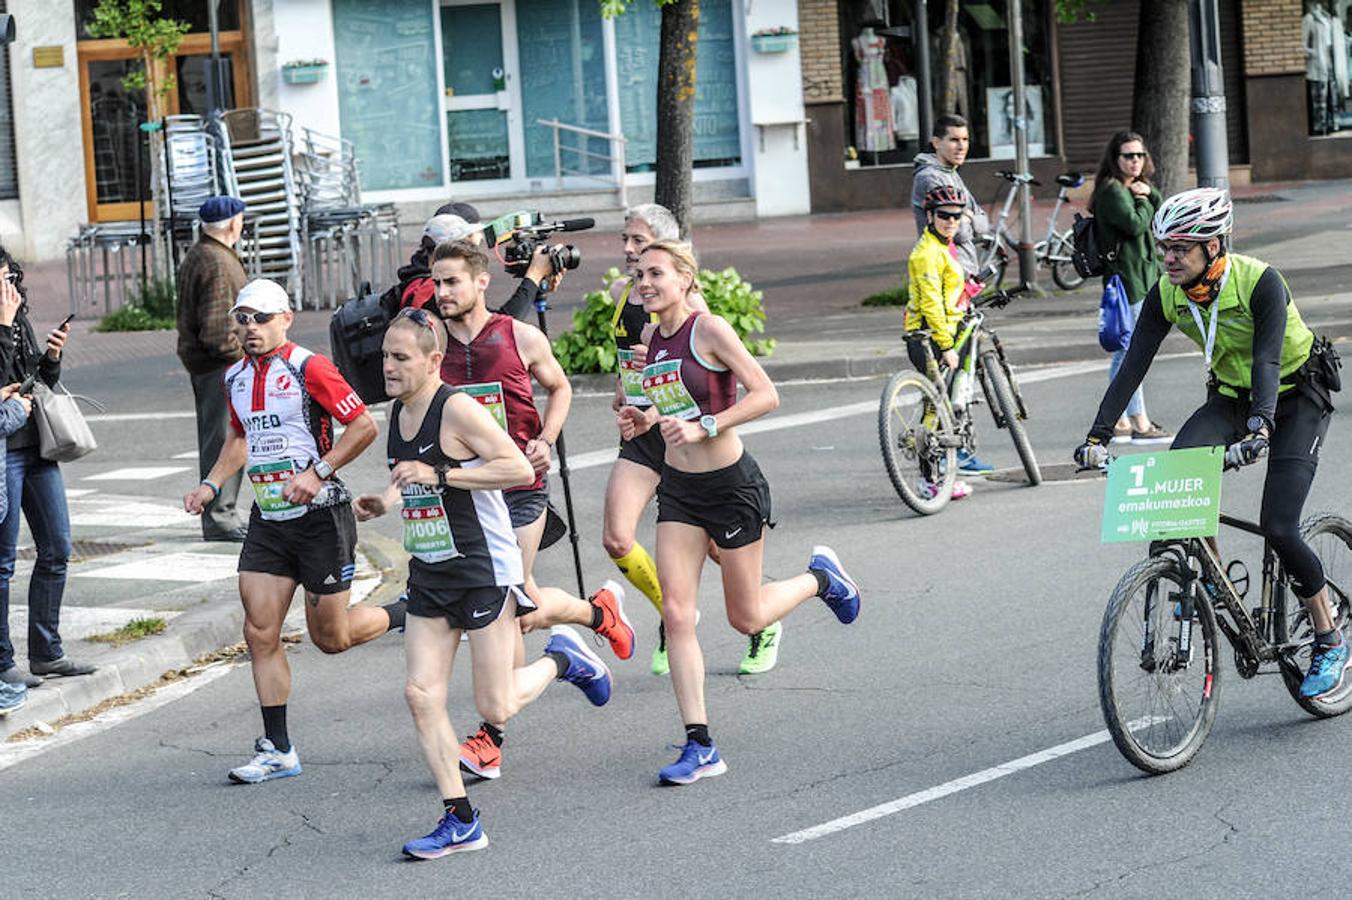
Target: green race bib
663, 386
427, 530
489, 396
1161, 496
267, 480
631, 379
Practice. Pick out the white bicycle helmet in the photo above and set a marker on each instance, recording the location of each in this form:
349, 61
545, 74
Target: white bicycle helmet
1195, 215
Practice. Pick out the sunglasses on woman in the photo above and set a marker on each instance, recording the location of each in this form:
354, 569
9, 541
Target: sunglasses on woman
947, 216
1133, 156
260, 318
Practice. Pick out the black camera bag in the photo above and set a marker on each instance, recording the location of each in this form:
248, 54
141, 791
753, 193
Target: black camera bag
356, 333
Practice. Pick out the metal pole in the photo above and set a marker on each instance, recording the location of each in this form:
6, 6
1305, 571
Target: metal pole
141, 206
214, 94
1208, 95
1027, 262
920, 37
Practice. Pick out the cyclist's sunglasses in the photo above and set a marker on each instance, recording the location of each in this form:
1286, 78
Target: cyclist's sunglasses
947, 216
1177, 250
419, 316
261, 318
1134, 156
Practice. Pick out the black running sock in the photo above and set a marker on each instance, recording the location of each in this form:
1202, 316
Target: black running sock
274, 727
823, 583
598, 616
494, 733
699, 734
460, 807
1329, 638
397, 611
561, 660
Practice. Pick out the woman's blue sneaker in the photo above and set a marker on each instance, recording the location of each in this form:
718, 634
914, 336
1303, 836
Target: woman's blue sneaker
450, 836
12, 697
842, 594
697, 761
971, 464
1326, 670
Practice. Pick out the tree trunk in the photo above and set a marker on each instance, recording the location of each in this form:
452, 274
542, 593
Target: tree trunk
948, 60
1163, 89
676, 108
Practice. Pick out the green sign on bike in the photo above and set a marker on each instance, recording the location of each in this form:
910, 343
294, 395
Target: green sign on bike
1159, 496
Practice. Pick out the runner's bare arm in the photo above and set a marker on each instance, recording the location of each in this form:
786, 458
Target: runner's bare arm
718, 343
370, 506
357, 436
539, 359
234, 453
467, 429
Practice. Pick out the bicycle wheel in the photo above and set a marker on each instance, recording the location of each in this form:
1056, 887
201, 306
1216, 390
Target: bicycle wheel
918, 442
999, 383
1063, 270
1157, 693
1331, 538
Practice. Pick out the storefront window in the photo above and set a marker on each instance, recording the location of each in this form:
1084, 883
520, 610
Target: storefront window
563, 76
969, 76
9, 169
194, 12
717, 135
1326, 30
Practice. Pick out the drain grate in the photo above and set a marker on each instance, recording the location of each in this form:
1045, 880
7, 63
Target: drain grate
1050, 472
83, 550
1263, 198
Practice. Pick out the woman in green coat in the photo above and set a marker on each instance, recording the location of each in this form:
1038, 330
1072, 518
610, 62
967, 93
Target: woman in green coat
1123, 204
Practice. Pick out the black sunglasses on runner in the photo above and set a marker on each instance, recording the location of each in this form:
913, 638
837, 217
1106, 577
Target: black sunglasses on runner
1133, 155
419, 316
261, 318
947, 216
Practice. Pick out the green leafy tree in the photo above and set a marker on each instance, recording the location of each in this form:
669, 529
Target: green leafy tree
156, 39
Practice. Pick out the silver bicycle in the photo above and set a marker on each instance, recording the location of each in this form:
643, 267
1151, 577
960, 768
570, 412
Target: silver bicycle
1053, 250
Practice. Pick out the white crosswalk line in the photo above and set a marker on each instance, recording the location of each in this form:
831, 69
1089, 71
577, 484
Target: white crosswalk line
191, 454
183, 566
79, 622
137, 473
123, 512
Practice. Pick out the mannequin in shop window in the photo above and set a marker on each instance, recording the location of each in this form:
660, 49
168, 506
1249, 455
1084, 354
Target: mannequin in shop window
905, 99
1325, 54
872, 97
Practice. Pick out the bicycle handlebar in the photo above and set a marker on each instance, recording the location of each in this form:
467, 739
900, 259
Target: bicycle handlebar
1000, 299
1012, 177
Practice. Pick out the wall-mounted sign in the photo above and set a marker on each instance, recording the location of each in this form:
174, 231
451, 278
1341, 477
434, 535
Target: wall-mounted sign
49, 57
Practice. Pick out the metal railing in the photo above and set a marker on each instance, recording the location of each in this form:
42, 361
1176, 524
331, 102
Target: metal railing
615, 158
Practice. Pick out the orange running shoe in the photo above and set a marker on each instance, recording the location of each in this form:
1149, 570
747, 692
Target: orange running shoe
478, 754
614, 625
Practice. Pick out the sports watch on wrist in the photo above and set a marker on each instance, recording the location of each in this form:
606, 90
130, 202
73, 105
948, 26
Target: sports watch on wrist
1256, 425
323, 470
441, 470
710, 425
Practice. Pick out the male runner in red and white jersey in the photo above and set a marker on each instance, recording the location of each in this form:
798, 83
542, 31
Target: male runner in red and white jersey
493, 358
283, 400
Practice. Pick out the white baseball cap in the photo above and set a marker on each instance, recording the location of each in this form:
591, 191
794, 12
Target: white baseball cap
263, 295
448, 227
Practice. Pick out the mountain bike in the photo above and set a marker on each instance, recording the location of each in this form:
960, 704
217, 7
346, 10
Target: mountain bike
924, 418
1053, 250
1159, 673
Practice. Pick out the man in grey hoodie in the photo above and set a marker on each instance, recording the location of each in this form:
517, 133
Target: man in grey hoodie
950, 142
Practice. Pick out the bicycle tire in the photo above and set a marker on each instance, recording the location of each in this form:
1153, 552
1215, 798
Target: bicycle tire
905, 444
1292, 622
1150, 741
1065, 275
1009, 411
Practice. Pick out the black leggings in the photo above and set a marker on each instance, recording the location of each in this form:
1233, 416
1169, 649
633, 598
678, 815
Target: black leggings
1293, 456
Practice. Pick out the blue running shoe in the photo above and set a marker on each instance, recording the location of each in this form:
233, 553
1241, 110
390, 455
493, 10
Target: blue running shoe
842, 594
697, 761
970, 464
450, 836
12, 697
268, 763
585, 668
1326, 670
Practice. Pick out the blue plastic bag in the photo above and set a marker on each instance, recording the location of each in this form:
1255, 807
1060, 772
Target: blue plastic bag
1116, 321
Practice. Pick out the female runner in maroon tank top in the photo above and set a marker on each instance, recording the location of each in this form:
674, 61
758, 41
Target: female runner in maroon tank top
710, 488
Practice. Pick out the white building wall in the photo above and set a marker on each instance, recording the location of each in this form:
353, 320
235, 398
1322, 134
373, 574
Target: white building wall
47, 133
303, 29
778, 136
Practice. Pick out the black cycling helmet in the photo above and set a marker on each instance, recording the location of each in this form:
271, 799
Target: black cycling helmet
944, 195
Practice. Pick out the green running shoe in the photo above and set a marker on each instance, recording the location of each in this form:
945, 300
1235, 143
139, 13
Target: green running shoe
762, 651
661, 665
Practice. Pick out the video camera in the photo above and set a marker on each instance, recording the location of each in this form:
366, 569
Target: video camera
519, 234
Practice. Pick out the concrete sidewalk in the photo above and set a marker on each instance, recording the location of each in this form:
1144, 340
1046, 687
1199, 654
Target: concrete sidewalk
814, 271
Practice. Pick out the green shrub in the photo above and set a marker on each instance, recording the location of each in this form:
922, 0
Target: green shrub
151, 310
893, 296
590, 345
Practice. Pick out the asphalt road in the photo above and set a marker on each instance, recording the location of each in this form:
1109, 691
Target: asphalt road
975, 648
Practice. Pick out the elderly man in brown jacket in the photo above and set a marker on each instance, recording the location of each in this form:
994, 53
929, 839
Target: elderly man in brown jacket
209, 278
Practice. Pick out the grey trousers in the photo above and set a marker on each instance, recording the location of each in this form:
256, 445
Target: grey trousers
213, 418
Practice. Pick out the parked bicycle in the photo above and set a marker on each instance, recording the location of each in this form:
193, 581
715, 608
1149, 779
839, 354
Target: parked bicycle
1159, 672
924, 418
1052, 251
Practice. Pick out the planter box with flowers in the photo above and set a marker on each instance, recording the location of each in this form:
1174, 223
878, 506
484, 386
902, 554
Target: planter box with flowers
774, 40
305, 71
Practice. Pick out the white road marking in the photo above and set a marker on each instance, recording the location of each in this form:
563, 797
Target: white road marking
139, 417
79, 622
191, 454
75, 493
186, 566
137, 473
123, 513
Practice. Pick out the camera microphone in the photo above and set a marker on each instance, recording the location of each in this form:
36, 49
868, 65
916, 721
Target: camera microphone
577, 224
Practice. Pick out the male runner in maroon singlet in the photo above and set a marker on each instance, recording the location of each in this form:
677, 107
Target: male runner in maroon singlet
493, 358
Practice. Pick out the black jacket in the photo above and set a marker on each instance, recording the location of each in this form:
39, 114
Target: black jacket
20, 356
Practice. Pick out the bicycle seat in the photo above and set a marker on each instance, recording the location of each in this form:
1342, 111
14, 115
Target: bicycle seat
1070, 179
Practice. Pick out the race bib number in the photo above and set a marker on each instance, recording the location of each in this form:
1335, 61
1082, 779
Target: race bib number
489, 396
427, 530
663, 386
267, 480
631, 380
1162, 496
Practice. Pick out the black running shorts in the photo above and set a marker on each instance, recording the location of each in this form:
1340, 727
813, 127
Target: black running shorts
468, 609
648, 449
318, 549
525, 506
731, 504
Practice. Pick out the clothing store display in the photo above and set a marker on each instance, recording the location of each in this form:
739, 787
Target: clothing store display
905, 109
872, 104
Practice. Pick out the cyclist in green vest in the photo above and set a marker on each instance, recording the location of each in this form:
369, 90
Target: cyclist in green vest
1267, 393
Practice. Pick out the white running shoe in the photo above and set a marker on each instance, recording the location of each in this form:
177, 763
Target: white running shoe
268, 763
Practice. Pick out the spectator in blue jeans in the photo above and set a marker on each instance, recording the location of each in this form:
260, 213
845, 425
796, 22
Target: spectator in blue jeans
35, 490
14, 411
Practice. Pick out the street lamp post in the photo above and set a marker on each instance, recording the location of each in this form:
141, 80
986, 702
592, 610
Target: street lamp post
1208, 95
1027, 260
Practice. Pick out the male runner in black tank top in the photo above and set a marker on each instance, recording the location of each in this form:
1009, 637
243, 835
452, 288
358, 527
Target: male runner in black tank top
466, 572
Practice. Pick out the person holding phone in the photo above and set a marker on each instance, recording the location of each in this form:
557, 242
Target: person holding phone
35, 490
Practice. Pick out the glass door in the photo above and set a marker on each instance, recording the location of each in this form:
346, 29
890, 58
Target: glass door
112, 116
483, 123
